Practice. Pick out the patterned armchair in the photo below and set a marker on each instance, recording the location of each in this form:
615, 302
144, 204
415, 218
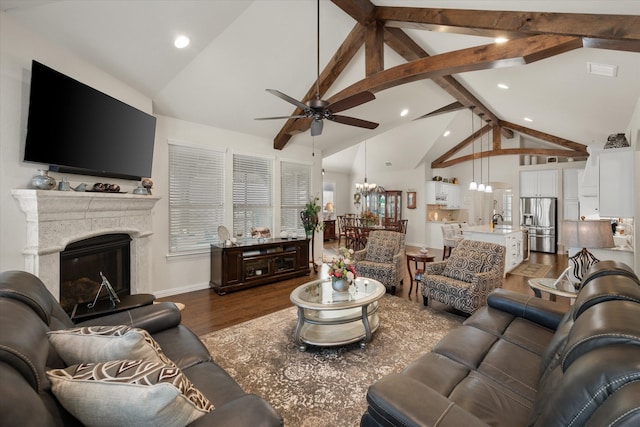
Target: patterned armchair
465, 279
382, 258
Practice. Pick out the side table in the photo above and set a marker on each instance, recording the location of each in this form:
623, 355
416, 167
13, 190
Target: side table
417, 257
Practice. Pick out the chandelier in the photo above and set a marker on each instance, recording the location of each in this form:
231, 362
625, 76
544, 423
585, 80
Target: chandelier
366, 188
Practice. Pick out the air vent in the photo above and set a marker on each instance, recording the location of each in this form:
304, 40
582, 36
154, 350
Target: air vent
602, 69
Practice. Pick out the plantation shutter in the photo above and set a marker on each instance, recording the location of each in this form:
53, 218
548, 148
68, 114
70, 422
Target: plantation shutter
295, 185
196, 197
252, 193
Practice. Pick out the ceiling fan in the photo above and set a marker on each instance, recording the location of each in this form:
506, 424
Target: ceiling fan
318, 109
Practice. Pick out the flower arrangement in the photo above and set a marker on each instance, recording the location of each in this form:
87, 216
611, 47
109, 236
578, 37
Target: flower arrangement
341, 268
368, 217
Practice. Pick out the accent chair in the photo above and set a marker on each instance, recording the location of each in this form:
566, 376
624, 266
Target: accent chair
467, 277
382, 258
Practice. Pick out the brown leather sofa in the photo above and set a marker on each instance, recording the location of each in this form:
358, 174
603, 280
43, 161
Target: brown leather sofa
28, 311
524, 361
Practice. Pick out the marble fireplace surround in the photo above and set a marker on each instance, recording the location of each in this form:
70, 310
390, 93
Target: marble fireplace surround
58, 218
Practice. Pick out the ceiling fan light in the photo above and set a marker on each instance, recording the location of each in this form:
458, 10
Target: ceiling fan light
473, 186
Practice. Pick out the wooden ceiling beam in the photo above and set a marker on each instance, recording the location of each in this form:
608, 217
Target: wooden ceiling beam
468, 140
328, 76
511, 152
454, 106
374, 48
406, 47
575, 146
517, 52
363, 11
502, 23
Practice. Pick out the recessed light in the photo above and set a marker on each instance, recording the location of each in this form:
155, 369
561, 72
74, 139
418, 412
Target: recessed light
503, 86
404, 112
181, 42
527, 119
501, 39
447, 133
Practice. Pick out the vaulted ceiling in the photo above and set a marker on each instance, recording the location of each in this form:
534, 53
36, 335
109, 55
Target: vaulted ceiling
440, 64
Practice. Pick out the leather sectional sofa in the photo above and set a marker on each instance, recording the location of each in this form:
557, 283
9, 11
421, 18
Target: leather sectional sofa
525, 361
28, 313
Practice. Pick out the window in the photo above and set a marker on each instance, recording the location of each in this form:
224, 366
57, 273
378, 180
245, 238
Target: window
196, 197
252, 193
295, 185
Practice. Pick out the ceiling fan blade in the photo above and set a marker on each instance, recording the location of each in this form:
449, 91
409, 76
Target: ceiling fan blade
352, 121
280, 117
351, 101
289, 99
316, 127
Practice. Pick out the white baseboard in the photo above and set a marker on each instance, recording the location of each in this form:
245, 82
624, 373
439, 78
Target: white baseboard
182, 290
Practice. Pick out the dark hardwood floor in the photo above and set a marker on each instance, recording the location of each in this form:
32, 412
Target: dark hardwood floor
206, 311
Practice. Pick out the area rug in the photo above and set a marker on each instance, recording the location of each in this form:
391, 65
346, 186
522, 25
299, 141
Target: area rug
324, 386
531, 270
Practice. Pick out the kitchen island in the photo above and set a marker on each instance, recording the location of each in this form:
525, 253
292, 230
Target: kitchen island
509, 237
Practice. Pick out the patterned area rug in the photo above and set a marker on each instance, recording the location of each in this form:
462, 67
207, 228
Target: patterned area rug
531, 270
324, 386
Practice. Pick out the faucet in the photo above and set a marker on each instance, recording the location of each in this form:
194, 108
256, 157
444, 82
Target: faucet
494, 219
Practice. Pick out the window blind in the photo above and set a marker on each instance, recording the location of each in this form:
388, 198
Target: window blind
196, 197
252, 193
295, 186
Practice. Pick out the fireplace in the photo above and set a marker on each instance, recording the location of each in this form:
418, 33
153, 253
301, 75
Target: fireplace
57, 219
82, 262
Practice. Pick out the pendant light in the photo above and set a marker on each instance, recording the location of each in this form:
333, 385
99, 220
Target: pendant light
481, 185
473, 186
488, 188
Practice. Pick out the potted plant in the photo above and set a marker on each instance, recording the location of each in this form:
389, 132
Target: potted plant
309, 216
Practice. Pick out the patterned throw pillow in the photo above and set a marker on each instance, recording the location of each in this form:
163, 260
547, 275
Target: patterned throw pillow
105, 343
381, 250
128, 393
464, 263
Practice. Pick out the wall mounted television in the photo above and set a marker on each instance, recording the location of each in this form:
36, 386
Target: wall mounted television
77, 129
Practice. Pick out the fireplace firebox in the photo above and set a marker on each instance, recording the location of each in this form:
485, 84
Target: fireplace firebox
82, 262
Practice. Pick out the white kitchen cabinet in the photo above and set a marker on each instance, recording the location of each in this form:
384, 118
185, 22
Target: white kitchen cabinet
541, 183
616, 182
444, 194
571, 179
435, 194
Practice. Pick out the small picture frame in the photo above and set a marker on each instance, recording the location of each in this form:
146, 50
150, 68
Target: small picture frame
411, 199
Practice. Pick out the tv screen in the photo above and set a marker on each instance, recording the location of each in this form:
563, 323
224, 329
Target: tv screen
77, 129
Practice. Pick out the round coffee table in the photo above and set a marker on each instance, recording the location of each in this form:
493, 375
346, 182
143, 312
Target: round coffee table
330, 318
562, 289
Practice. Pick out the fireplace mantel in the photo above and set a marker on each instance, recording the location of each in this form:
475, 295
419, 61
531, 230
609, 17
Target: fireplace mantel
58, 218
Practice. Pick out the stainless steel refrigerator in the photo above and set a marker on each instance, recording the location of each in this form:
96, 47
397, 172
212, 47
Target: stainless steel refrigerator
540, 216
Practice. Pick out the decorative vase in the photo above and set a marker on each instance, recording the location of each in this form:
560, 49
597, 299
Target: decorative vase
42, 181
340, 285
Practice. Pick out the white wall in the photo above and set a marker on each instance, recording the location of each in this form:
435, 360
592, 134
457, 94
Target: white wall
18, 47
170, 274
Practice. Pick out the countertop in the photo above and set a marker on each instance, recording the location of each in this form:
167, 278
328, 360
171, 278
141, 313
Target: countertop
500, 229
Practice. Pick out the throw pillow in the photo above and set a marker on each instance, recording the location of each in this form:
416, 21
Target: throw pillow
464, 263
381, 250
128, 393
105, 343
